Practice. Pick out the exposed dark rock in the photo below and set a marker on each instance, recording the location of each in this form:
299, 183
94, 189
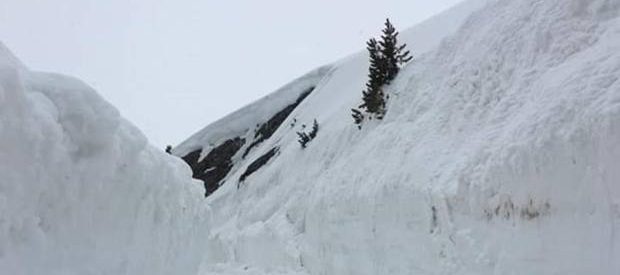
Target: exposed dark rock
258, 163
216, 165
267, 129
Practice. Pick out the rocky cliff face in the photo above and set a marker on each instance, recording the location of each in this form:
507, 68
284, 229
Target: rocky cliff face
218, 149
216, 165
218, 162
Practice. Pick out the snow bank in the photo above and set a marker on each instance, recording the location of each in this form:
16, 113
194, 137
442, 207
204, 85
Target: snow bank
81, 192
498, 155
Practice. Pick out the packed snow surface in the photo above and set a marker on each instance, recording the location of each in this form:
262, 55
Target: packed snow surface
499, 154
81, 192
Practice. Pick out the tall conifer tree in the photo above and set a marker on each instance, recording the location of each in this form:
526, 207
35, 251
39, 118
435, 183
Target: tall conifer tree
373, 95
386, 58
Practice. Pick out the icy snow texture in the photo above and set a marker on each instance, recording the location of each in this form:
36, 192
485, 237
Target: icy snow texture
81, 192
499, 155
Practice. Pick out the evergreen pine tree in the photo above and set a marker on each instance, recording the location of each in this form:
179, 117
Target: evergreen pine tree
358, 117
386, 58
373, 96
305, 138
388, 52
393, 54
315, 130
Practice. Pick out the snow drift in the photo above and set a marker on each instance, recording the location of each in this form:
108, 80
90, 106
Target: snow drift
499, 154
81, 192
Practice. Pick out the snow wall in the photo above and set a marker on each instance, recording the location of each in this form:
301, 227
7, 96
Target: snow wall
81, 191
499, 154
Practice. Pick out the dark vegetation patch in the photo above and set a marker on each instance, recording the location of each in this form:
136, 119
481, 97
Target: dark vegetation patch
506, 209
216, 165
532, 210
267, 129
305, 138
258, 163
434, 220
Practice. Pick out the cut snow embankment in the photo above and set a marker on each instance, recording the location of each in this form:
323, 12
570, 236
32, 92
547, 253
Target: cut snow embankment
81, 191
499, 154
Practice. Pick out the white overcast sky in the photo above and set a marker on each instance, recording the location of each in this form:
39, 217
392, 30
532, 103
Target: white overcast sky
173, 66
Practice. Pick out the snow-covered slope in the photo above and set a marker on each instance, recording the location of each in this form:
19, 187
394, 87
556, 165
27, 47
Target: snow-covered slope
499, 154
81, 192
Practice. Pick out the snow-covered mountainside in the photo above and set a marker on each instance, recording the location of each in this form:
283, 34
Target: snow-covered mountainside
212, 151
499, 154
81, 192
